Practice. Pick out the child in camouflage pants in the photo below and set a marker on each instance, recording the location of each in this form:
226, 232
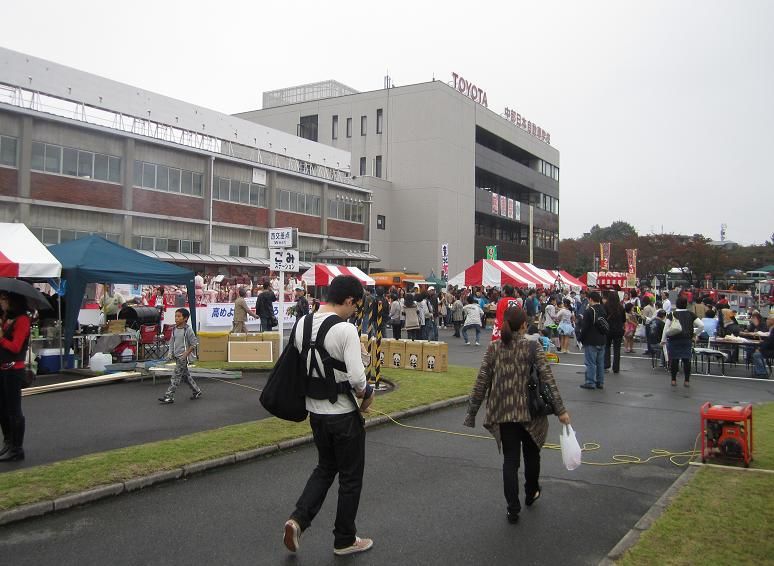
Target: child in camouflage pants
181, 347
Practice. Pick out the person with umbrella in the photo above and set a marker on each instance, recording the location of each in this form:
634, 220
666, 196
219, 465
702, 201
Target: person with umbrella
17, 299
14, 340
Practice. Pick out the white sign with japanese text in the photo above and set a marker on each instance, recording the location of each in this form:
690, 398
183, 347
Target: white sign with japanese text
222, 314
281, 237
283, 259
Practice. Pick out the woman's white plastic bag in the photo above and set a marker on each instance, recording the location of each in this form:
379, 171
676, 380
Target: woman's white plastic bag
571, 450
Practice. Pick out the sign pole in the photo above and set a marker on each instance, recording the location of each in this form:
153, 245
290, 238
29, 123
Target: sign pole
281, 313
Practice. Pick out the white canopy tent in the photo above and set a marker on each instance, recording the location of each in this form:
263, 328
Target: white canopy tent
23, 255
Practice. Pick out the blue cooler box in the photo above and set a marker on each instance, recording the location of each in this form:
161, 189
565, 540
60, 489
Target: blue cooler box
48, 360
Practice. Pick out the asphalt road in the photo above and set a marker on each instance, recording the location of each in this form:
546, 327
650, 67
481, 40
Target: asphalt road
429, 498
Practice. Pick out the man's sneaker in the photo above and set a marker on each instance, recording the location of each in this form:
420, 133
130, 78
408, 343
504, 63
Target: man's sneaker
360, 545
478, 343
166, 400
292, 535
196, 395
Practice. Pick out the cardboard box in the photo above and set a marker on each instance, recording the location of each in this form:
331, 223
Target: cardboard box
435, 356
254, 337
384, 354
242, 351
274, 338
116, 326
213, 346
413, 355
396, 354
237, 337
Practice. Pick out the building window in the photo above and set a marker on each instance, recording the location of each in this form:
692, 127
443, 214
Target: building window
8, 151
237, 251
346, 208
75, 162
238, 191
363, 125
299, 202
381, 222
51, 236
378, 167
379, 120
307, 128
170, 179
362, 165
335, 128
149, 243
349, 127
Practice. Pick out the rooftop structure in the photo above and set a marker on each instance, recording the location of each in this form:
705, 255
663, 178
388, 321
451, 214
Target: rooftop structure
305, 93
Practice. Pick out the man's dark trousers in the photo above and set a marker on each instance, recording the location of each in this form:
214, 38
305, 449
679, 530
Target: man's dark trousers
340, 441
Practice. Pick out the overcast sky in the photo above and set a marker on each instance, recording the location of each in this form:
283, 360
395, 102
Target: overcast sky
663, 111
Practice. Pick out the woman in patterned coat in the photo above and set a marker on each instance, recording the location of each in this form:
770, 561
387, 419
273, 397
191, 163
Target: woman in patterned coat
504, 375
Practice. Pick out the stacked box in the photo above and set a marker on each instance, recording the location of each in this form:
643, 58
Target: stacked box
213, 346
396, 354
254, 351
274, 338
435, 356
254, 337
385, 351
414, 354
237, 337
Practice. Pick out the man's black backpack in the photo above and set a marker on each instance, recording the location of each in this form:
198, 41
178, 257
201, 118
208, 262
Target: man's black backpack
601, 323
289, 383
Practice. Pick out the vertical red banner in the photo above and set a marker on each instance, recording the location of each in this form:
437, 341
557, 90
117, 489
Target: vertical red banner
631, 258
604, 256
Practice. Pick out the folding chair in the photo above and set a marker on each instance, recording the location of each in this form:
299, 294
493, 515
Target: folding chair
149, 342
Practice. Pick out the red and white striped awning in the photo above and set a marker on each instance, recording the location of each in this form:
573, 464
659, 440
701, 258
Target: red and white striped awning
322, 273
565, 279
611, 279
496, 273
23, 255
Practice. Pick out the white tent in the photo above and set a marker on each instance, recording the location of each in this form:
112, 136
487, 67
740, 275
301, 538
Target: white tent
23, 255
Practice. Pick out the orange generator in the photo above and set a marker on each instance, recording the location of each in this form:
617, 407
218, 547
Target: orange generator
727, 432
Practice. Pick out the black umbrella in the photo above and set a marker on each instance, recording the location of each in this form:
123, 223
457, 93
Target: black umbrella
35, 299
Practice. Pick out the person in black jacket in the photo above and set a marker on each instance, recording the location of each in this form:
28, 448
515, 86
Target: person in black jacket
593, 343
264, 306
616, 317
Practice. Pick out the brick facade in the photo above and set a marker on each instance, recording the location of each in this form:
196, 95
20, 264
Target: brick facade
304, 223
249, 216
341, 229
8, 182
158, 202
58, 188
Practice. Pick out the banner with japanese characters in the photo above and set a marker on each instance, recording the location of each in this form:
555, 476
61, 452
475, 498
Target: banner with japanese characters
604, 256
222, 314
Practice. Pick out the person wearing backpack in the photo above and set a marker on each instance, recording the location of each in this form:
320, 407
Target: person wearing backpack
337, 426
680, 344
594, 337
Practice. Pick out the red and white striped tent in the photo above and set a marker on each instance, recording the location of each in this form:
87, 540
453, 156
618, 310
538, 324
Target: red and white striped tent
496, 273
23, 255
566, 279
321, 274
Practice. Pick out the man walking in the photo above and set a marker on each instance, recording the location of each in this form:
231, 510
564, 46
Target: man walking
337, 426
594, 343
241, 311
264, 306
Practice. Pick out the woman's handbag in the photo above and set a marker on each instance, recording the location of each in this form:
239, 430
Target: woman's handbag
540, 398
675, 328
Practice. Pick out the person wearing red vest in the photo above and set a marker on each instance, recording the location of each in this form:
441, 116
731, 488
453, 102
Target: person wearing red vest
507, 301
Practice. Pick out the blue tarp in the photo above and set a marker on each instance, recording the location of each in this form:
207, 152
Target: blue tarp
97, 260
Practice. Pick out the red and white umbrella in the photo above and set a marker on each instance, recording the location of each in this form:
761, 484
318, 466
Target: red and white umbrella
322, 273
23, 255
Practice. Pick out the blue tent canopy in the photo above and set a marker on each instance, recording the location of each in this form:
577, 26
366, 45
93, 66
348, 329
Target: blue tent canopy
97, 260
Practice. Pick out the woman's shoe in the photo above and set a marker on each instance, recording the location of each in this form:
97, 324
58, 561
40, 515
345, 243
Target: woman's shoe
674, 383
513, 518
13, 455
687, 384
529, 500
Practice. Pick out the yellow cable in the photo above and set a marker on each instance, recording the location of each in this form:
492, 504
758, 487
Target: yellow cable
618, 459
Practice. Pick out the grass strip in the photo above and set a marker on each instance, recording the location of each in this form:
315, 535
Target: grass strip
50, 481
722, 516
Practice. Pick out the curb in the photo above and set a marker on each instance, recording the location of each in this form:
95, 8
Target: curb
103, 492
647, 520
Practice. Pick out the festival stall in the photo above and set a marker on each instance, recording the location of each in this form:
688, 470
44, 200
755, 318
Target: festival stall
320, 274
496, 273
566, 280
96, 260
605, 279
22, 255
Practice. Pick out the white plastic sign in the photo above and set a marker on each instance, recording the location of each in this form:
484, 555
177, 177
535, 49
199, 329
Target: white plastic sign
281, 237
283, 260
